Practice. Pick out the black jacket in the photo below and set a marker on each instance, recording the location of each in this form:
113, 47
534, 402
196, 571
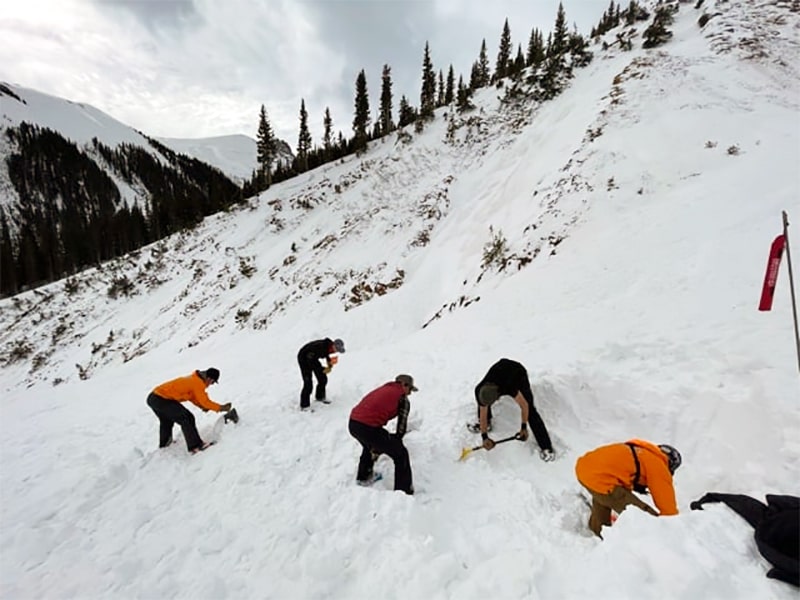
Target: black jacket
314, 351
777, 526
510, 377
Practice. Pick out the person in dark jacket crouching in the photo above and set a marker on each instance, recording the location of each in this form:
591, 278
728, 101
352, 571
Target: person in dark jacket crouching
367, 421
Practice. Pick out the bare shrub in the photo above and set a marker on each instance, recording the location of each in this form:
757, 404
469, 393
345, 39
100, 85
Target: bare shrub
120, 286
495, 251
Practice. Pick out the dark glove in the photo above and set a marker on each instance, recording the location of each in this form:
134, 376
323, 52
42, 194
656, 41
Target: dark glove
523, 433
225, 407
488, 443
327, 370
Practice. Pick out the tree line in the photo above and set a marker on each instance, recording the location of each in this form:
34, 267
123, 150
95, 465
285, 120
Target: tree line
71, 215
548, 61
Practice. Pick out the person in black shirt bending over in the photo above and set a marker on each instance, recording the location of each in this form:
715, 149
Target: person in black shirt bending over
308, 358
509, 378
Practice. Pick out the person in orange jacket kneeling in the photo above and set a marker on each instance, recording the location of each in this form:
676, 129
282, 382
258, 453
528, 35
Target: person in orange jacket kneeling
165, 400
612, 473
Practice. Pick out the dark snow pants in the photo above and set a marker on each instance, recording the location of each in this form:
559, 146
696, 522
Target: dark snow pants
380, 441
307, 368
170, 412
534, 418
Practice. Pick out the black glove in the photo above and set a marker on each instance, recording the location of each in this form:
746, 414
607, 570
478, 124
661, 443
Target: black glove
488, 443
225, 407
523, 433
231, 415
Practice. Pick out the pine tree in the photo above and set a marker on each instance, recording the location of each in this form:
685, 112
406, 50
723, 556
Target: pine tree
440, 94
657, 32
327, 136
463, 94
361, 120
303, 140
407, 113
8, 270
385, 117
265, 150
536, 53
631, 13
474, 76
482, 77
503, 54
449, 90
578, 49
560, 39
519, 63
427, 97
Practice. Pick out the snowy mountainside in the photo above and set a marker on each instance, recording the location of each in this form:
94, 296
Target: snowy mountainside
82, 125
637, 210
357, 230
234, 155
74, 120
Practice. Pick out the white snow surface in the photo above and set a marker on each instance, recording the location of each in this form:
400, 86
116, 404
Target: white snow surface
636, 317
234, 155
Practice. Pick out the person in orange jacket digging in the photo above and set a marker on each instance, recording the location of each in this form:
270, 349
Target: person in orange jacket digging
612, 473
165, 400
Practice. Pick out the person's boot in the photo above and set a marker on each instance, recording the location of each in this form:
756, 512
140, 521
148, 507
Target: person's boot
205, 446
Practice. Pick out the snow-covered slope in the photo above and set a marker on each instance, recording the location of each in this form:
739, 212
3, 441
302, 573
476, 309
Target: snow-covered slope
76, 121
637, 209
234, 155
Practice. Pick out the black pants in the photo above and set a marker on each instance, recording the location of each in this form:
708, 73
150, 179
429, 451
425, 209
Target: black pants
379, 440
170, 412
534, 418
307, 367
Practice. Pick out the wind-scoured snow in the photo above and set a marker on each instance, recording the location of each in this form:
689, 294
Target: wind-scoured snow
638, 209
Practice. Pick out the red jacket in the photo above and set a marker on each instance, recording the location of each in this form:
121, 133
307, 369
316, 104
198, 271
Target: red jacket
381, 405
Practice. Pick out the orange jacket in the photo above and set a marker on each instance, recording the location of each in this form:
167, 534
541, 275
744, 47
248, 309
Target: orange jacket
607, 467
191, 388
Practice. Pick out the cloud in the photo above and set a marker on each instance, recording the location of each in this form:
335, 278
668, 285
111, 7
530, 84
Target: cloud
195, 68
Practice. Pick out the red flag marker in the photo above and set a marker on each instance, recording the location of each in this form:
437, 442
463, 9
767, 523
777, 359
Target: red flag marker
771, 276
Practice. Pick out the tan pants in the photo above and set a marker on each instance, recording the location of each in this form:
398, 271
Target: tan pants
617, 500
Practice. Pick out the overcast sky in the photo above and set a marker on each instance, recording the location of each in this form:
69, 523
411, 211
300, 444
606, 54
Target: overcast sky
199, 68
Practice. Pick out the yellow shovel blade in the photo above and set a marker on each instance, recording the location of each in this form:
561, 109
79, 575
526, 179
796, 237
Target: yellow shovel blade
465, 453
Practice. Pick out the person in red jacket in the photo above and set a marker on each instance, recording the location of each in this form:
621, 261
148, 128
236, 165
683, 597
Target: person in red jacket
165, 400
367, 420
612, 473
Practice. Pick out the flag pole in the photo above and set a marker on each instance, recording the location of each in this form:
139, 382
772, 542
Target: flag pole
791, 285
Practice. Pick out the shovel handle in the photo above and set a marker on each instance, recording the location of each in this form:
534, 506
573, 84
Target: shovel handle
467, 451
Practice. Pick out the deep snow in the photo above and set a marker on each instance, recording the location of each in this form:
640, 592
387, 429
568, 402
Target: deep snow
637, 317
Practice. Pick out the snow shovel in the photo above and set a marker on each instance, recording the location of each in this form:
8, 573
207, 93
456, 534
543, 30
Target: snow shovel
467, 451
